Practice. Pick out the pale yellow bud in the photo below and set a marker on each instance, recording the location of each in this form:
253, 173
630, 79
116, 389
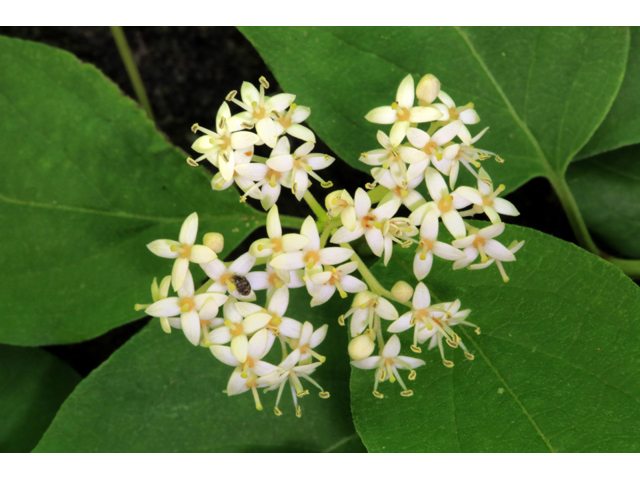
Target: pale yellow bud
330, 201
428, 89
361, 347
215, 241
261, 248
402, 291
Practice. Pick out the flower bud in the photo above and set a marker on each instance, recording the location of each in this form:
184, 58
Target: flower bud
331, 199
361, 346
215, 241
261, 248
402, 291
428, 89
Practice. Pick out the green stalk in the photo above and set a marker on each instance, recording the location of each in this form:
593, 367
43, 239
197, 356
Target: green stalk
132, 69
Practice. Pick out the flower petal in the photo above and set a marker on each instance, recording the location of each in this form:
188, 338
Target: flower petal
382, 115
392, 347
190, 323
162, 248
189, 230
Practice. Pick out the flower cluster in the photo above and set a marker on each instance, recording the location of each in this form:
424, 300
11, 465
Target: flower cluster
224, 314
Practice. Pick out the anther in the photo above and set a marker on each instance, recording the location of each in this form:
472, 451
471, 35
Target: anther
499, 159
277, 411
416, 349
303, 393
195, 127
469, 356
246, 125
412, 375
192, 162
324, 394
407, 393
298, 411
477, 330
341, 320
327, 184
377, 394
447, 363
222, 122
232, 94
263, 82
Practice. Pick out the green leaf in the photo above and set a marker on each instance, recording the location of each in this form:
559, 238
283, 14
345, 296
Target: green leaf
621, 126
543, 91
87, 182
159, 393
607, 189
33, 385
557, 366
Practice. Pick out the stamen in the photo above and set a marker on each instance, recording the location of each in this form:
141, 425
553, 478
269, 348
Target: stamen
412, 375
231, 95
194, 127
192, 162
407, 393
138, 306
340, 320
256, 397
263, 82
377, 394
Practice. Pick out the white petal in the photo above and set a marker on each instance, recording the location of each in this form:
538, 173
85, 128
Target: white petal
190, 323
301, 132
392, 347
318, 336
352, 284
280, 102
382, 115
491, 231
413, 362
168, 307
310, 230
269, 195
362, 203
267, 131
290, 328
386, 310
498, 251
255, 322
259, 344
446, 99
322, 295
289, 261
189, 230
367, 363
306, 332
224, 354
179, 272
505, 207
249, 93
215, 269
429, 228
471, 194
343, 235
447, 133
274, 230
220, 336
239, 347
281, 163
401, 324
242, 264
375, 240
469, 117
454, 223
242, 140
418, 138
398, 132
245, 309
435, 184
202, 254
405, 95
446, 251
421, 268
162, 248
334, 255
424, 114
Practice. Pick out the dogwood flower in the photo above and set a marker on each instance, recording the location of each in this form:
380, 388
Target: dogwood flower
402, 113
397, 230
245, 174
274, 280
184, 250
237, 331
391, 157
420, 316
440, 328
160, 293
513, 248
481, 242
272, 315
258, 109
225, 278
451, 113
430, 246
369, 222
277, 243
387, 365
192, 308
364, 307
311, 255
220, 147
340, 203
465, 154
246, 373
268, 186
309, 339
445, 204
486, 199
289, 370
427, 90
406, 192
431, 145
335, 278
289, 123
300, 166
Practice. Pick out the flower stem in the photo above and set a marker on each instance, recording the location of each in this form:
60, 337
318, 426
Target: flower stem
559, 184
315, 206
132, 69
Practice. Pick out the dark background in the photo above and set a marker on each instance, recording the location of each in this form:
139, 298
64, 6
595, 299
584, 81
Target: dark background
187, 72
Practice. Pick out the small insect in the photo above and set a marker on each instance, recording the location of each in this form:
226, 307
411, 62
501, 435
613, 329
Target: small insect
242, 284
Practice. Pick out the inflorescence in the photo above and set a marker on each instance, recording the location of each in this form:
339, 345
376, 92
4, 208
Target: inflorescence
427, 142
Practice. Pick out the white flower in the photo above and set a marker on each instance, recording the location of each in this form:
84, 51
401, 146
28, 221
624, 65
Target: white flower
274, 279
398, 230
365, 306
277, 243
289, 123
268, 183
369, 222
272, 316
245, 174
387, 365
311, 255
430, 246
237, 330
439, 328
191, 308
308, 341
420, 316
160, 293
300, 166
219, 147
451, 113
402, 113
513, 248
183, 250
332, 279
445, 204
339, 202
481, 242
431, 146
246, 373
455, 154
405, 192
393, 158
259, 109
225, 279
289, 370
487, 199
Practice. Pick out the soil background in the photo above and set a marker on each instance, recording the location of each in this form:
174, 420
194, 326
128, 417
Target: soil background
187, 72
